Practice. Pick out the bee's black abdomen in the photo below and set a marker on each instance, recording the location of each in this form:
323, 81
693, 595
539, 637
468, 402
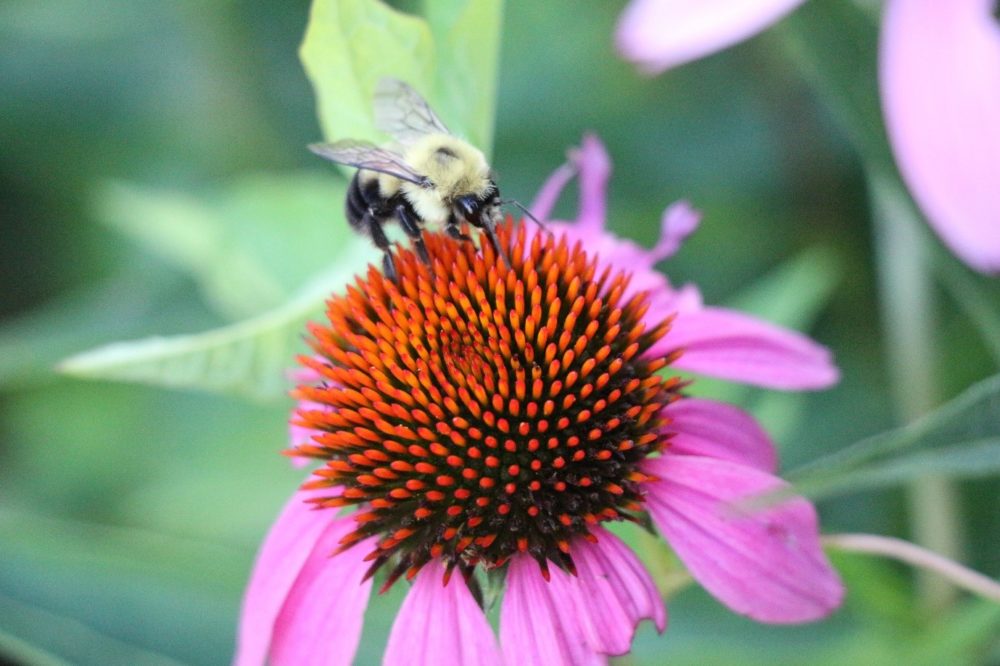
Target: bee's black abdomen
355, 206
367, 210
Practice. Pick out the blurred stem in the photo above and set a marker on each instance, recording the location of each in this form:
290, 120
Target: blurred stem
914, 555
907, 302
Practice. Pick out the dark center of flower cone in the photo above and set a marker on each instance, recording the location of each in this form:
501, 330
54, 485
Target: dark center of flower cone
476, 410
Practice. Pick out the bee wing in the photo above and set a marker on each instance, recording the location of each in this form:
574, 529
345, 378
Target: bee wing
401, 112
368, 156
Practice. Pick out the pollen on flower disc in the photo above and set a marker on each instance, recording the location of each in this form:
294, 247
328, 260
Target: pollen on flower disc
475, 410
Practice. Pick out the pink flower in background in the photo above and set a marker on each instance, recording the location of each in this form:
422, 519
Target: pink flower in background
940, 82
480, 416
660, 34
940, 85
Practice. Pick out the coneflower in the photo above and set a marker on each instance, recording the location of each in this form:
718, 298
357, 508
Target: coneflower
485, 417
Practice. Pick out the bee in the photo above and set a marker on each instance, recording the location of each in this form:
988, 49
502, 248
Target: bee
428, 176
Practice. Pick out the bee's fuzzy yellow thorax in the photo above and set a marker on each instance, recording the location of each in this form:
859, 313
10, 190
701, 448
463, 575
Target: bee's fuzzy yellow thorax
454, 167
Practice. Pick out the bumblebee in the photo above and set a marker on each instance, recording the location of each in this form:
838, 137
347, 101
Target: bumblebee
429, 176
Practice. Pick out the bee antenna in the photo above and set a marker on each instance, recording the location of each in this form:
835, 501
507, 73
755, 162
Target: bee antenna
528, 213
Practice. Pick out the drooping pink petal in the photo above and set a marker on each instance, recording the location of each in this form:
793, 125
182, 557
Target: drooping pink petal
717, 430
767, 563
594, 166
687, 298
441, 624
659, 34
538, 624
282, 555
730, 345
940, 82
552, 188
321, 620
612, 593
679, 221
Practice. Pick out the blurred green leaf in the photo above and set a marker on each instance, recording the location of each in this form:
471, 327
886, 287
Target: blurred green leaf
467, 38
972, 295
964, 636
249, 245
794, 293
22, 626
248, 358
974, 459
97, 595
20, 651
960, 438
137, 301
450, 57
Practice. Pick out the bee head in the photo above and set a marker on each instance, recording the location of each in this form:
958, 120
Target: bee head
474, 207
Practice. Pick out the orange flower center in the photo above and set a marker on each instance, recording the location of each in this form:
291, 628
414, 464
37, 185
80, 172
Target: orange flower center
475, 410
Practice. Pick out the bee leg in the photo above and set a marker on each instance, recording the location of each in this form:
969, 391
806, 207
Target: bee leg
452, 229
389, 266
412, 230
495, 242
381, 242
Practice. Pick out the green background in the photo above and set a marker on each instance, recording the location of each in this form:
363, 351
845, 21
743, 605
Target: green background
154, 181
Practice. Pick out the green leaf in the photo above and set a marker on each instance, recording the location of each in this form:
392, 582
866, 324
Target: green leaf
976, 298
960, 438
20, 651
963, 636
248, 358
467, 38
794, 293
35, 637
974, 459
450, 57
249, 244
93, 594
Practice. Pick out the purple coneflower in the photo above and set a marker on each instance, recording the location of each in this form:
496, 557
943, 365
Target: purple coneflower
940, 83
488, 420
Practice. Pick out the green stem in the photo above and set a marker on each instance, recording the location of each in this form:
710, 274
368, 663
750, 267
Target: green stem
907, 299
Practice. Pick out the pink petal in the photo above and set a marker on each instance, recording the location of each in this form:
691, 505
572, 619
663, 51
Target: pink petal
281, 557
766, 564
441, 624
594, 165
658, 34
612, 593
717, 430
940, 80
305, 375
320, 622
547, 197
730, 345
538, 622
679, 221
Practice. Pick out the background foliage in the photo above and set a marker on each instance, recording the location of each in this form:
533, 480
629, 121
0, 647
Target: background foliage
155, 183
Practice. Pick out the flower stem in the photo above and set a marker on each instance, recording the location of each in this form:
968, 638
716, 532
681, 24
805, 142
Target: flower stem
904, 551
907, 299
